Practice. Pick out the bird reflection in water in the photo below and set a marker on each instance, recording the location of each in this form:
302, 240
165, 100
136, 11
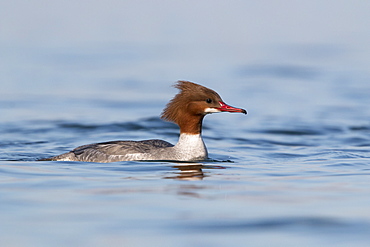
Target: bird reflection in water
190, 172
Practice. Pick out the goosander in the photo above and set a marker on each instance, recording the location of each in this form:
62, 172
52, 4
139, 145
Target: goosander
187, 109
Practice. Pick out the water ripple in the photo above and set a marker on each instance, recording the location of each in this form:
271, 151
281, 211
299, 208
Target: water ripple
314, 224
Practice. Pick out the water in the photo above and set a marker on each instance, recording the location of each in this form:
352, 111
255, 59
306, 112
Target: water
294, 171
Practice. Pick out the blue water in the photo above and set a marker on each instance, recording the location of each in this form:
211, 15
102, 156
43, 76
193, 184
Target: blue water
295, 171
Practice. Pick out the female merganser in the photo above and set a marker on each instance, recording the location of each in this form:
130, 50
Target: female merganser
187, 109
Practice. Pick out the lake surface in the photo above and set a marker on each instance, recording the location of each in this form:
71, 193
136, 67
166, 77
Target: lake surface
295, 171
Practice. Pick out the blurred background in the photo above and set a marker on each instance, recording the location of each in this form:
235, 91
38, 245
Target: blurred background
129, 49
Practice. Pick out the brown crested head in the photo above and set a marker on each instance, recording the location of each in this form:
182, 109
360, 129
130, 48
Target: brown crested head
192, 100
191, 104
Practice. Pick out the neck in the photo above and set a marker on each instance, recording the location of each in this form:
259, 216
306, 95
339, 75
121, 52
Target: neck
192, 125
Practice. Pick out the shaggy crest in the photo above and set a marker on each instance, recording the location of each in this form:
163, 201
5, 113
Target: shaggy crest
189, 92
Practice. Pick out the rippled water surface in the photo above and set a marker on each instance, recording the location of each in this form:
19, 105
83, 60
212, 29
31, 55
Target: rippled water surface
295, 171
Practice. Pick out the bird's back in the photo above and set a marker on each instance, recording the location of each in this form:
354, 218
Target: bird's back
113, 151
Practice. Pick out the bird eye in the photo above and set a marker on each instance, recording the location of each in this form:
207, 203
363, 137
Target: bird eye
208, 101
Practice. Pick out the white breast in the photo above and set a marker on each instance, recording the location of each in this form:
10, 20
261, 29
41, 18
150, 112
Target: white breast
191, 147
